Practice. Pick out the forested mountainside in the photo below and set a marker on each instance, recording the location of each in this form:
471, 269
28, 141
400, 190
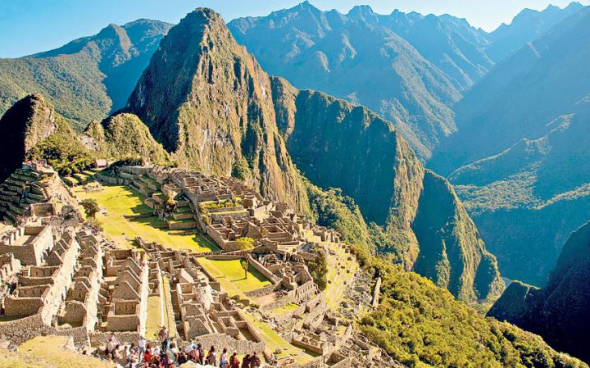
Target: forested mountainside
527, 26
213, 107
87, 78
350, 57
559, 312
423, 223
423, 326
210, 104
204, 102
541, 184
519, 154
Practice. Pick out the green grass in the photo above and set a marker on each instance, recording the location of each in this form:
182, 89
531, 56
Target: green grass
285, 309
48, 351
231, 276
120, 201
154, 317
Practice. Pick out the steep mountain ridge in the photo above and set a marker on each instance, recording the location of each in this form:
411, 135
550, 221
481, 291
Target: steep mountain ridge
88, 77
560, 311
209, 103
422, 220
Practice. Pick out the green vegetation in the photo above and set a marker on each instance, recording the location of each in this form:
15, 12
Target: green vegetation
63, 151
230, 275
333, 210
127, 217
285, 309
422, 325
188, 122
124, 136
91, 207
319, 269
87, 78
245, 243
560, 312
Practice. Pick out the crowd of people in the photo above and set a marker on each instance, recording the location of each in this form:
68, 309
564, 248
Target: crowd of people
167, 354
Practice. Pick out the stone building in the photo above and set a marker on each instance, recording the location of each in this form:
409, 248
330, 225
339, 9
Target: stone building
127, 286
42, 287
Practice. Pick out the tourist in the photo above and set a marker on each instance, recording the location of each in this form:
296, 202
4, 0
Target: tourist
182, 358
112, 345
201, 354
212, 356
164, 338
246, 361
255, 361
141, 344
224, 361
234, 362
147, 355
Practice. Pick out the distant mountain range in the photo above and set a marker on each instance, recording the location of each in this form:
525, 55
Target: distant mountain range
88, 78
409, 68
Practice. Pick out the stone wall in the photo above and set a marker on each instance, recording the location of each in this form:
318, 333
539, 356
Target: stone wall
263, 270
221, 341
261, 292
101, 338
19, 331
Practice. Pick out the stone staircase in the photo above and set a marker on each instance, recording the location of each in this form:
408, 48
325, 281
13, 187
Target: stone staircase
12, 203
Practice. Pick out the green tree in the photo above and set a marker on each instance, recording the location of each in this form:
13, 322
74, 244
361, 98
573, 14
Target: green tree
319, 269
91, 207
245, 243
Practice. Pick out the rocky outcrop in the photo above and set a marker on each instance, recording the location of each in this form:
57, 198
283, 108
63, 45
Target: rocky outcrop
26, 124
124, 136
560, 312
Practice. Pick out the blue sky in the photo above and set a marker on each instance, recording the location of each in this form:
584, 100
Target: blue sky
29, 26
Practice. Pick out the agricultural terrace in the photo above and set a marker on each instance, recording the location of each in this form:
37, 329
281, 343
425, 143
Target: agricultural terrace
338, 277
125, 217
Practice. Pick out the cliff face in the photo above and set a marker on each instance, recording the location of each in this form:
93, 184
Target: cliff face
452, 253
26, 124
560, 312
416, 214
209, 103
